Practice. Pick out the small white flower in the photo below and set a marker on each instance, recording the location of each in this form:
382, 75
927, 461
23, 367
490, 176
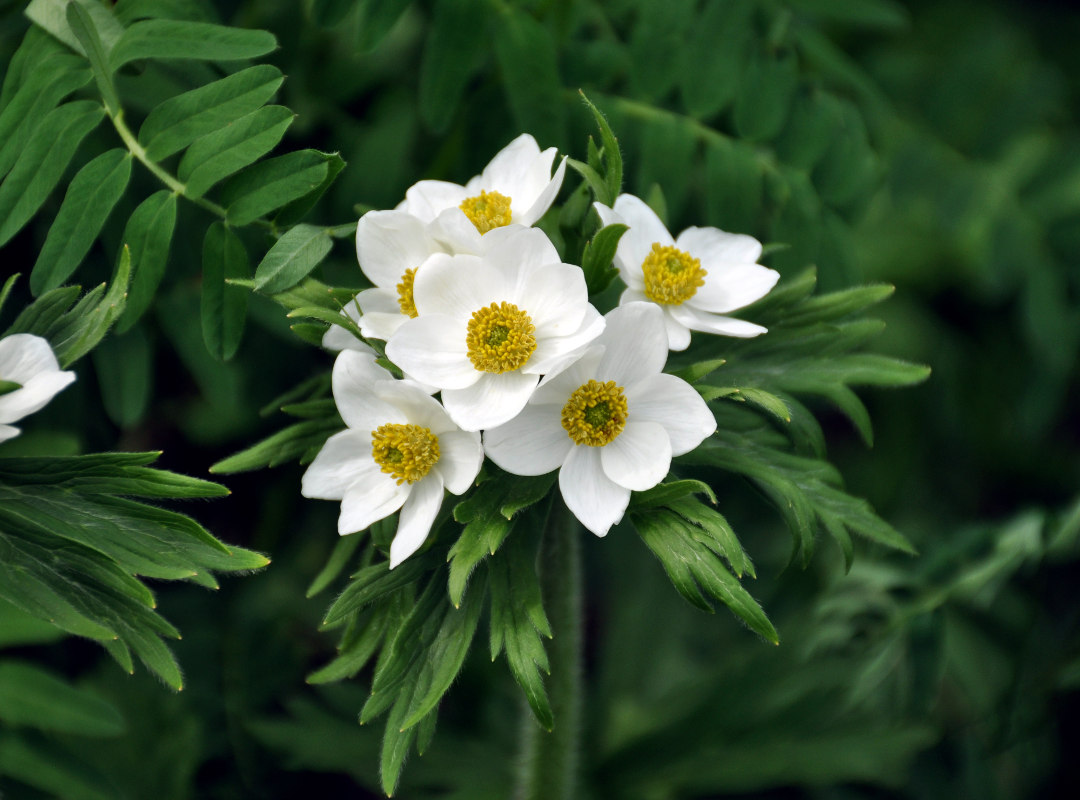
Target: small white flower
400, 451
696, 278
490, 325
515, 187
610, 421
27, 360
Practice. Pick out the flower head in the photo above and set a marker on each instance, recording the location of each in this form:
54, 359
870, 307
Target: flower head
28, 361
696, 279
516, 187
610, 421
399, 451
490, 325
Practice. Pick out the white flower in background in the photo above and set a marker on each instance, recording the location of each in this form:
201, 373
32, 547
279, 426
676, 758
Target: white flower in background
696, 279
28, 361
400, 451
490, 325
610, 421
516, 187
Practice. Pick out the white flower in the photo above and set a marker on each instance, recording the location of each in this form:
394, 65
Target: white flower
515, 187
338, 338
490, 325
27, 360
400, 451
695, 279
611, 420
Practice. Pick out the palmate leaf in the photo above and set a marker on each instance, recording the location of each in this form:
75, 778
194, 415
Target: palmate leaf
74, 544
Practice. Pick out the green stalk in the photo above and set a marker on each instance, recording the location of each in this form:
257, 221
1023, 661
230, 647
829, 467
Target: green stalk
549, 764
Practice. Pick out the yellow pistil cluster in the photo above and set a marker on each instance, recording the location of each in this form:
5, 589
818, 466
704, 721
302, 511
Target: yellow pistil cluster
595, 413
488, 210
405, 295
500, 338
672, 276
406, 452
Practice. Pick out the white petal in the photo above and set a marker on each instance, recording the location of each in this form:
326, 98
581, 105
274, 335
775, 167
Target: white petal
343, 460
639, 457
390, 242
492, 400
417, 514
556, 299
635, 343
630, 254
415, 404
381, 315
517, 252
427, 199
559, 383
24, 355
8, 432
353, 380
678, 335
369, 500
34, 395
698, 320
456, 233
546, 196
532, 443
596, 500
646, 229
519, 171
717, 246
553, 352
731, 286
460, 457
675, 404
432, 349
457, 285
337, 338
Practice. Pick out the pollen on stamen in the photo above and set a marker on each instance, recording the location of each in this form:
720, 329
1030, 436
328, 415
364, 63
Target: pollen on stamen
405, 452
500, 338
672, 276
595, 414
487, 211
405, 294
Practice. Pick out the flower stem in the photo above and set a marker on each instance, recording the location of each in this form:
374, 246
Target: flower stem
549, 764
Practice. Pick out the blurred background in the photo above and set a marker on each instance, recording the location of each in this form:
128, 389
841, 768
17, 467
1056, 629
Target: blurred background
934, 146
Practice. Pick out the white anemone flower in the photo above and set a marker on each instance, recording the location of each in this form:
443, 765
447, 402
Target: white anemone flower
490, 325
696, 279
516, 187
399, 451
28, 361
610, 422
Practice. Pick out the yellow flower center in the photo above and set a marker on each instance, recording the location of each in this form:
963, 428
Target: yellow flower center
500, 338
595, 413
404, 293
487, 210
671, 276
406, 452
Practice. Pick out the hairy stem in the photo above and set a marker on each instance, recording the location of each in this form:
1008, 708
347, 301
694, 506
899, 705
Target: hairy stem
549, 765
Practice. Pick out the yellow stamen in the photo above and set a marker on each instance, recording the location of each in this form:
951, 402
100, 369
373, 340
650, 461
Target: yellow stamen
405, 295
595, 413
500, 338
488, 210
672, 276
406, 452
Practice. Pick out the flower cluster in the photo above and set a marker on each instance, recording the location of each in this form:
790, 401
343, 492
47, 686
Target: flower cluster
477, 306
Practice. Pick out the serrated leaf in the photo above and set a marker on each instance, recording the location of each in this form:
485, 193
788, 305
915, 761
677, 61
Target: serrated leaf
167, 38
40, 166
292, 257
35, 697
273, 183
148, 234
224, 307
219, 154
177, 122
528, 59
457, 34
90, 198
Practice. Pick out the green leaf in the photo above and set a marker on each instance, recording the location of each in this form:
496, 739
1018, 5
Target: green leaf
46, 766
344, 549
35, 697
698, 370
375, 582
716, 50
376, 19
124, 369
664, 493
273, 183
167, 38
299, 208
734, 182
284, 446
52, 16
90, 198
5, 290
598, 255
457, 33
361, 639
177, 122
82, 25
479, 539
612, 156
714, 532
218, 155
7, 387
528, 59
883, 14
224, 307
765, 94
658, 46
41, 165
90, 320
693, 568
147, 235
291, 258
